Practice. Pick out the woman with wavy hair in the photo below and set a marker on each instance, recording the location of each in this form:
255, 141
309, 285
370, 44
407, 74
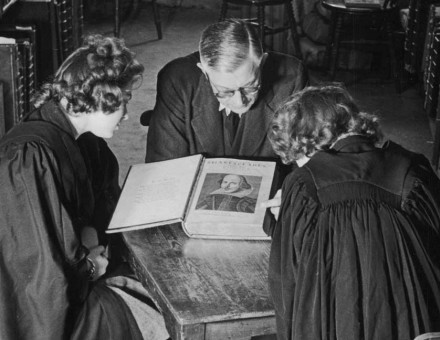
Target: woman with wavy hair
355, 252
59, 185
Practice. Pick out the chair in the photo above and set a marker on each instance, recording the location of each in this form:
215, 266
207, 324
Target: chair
360, 27
428, 336
265, 30
117, 17
146, 117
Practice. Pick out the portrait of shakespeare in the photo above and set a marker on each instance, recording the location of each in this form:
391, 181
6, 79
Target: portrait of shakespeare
229, 192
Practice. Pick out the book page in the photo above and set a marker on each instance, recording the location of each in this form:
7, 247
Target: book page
228, 196
154, 193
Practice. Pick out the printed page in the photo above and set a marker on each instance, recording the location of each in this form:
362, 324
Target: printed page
155, 193
226, 201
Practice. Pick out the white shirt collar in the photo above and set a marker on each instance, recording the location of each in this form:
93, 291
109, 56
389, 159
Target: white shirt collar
303, 160
227, 111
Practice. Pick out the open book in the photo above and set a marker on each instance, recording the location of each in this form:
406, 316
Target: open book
211, 197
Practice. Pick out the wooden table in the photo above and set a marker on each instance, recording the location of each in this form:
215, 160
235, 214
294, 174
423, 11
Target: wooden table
206, 289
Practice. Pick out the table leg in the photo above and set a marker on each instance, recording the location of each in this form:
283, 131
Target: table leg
260, 16
157, 20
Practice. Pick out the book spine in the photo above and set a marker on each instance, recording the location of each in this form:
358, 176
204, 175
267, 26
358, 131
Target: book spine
21, 75
415, 35
431, 63
193, 187
9, 77
25, 37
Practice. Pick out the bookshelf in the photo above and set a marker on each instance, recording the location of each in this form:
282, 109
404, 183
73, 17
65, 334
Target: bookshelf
9, 71
46, 32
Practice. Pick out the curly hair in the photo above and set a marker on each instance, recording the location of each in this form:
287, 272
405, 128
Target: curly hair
93, 77
315, 118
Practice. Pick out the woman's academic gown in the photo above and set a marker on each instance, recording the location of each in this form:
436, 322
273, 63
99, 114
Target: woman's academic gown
46, 198
356, 251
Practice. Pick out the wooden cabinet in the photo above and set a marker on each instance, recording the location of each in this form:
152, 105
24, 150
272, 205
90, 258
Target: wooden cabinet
46, 33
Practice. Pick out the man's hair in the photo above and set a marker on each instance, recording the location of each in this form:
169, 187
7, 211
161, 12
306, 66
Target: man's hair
225, 45
93, 77
314, 118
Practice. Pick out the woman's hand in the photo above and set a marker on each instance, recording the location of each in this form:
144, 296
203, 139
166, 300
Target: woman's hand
97, 256
274, 204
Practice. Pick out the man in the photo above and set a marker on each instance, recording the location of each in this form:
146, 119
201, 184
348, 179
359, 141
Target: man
220, 101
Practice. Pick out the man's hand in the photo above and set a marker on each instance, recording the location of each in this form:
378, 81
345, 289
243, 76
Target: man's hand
274, 204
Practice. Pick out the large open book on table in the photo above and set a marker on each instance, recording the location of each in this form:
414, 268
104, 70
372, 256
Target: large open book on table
211, 197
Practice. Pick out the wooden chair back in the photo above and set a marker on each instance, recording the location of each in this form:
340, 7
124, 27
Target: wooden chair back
428, 336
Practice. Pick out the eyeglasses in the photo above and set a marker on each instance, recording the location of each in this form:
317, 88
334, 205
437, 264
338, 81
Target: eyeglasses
244, 91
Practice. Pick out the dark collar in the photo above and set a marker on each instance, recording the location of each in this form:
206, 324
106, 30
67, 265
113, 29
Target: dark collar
52, 113
356, 143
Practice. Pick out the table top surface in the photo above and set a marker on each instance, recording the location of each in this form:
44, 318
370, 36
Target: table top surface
200, 280
340, 5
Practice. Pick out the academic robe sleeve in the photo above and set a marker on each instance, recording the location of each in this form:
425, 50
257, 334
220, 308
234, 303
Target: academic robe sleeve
42, 266
422, 203
297, 219
103, 172
166, 138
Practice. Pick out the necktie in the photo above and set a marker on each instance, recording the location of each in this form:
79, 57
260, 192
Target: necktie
231, 125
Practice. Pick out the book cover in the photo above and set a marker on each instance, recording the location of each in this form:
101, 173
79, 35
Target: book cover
211, 197
9, 77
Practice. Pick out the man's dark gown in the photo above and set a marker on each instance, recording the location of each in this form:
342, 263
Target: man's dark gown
356, 252
47, 195
186, 118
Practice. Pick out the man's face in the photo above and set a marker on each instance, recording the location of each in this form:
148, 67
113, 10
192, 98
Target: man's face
231, 183
237, 90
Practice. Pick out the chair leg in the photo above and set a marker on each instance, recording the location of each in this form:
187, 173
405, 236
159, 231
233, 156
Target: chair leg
393, 59
293, 27
330, 41
117, 19
223, 10
335, 48
157, 21
260, 19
